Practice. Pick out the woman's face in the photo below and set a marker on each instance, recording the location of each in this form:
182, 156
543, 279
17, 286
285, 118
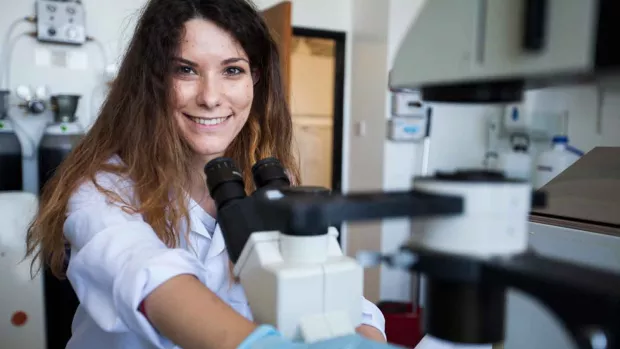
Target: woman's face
213, 88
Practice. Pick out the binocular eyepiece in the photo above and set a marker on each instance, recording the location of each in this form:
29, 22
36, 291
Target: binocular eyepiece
225, 181
239, 218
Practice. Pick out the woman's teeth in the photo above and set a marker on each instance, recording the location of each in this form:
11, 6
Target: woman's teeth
209, 122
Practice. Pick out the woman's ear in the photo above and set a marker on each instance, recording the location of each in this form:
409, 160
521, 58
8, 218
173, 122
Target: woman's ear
255, 76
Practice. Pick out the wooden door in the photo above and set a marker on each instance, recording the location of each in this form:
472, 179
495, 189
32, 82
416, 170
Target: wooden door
278, 19
314, 146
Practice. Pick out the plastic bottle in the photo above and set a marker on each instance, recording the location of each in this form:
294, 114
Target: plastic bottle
554, 161
517, 162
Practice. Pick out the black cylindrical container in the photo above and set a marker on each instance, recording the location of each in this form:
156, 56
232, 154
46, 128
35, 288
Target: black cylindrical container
10, 150
61, 302
10, 159
57, 142
4, 103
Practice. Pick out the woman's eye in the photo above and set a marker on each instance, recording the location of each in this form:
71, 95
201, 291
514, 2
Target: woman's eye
185, 70
233, 71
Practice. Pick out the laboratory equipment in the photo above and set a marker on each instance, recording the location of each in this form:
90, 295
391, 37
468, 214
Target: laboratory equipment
471, 238
10, 150
269, 262
407, 103
60, 137
551, 162
466, 281
409, 119
580, 223
21, 308
4, 103
407, 128
516, 162
538, 125
489, 52
61, 22
32, 101
58, 140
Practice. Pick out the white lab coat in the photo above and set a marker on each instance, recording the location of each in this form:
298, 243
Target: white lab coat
117, 260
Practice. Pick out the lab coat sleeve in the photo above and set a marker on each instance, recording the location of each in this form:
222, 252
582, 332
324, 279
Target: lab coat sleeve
117, 260
372, 316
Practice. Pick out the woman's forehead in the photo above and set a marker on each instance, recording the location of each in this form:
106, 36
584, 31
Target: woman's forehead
204, 40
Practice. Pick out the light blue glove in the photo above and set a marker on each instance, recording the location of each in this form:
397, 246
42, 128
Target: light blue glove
267, 337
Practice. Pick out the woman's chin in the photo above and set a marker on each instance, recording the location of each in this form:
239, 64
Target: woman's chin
206, 155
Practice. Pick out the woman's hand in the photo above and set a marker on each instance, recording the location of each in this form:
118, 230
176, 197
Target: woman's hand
370, 333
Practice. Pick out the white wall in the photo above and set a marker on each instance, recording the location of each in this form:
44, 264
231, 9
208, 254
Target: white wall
366, 130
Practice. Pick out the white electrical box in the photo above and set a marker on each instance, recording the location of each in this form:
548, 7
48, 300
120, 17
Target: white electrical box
407, 129
407, 103
61, 22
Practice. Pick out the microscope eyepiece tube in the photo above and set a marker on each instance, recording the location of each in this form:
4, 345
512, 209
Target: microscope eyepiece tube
234, 212
269, 172
224, 181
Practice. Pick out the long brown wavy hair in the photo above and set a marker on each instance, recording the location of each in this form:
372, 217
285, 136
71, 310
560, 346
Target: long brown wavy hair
136, 124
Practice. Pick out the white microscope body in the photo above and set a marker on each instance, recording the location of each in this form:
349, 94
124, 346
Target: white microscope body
303, 285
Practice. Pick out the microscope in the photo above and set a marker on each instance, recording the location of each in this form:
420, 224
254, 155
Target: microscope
470, 236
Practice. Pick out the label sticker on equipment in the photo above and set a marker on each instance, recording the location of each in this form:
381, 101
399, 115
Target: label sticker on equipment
19, 318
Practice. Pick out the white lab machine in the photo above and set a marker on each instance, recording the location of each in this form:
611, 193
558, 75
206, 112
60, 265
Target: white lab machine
22, 316
489, 52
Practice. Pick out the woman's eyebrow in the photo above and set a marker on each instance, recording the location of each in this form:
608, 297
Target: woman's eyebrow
185, 61
234, 60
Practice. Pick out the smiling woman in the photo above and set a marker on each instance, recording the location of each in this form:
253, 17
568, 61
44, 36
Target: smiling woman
214, 88
201, 79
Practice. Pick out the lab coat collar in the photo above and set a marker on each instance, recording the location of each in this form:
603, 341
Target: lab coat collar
217, 241
217, 244
196, 226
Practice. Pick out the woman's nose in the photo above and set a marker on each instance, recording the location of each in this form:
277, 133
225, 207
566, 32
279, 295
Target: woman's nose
209, 95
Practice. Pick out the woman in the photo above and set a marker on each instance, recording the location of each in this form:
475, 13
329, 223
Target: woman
200, 79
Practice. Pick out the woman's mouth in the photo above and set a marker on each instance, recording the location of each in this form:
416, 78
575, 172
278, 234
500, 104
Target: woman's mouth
207, 121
